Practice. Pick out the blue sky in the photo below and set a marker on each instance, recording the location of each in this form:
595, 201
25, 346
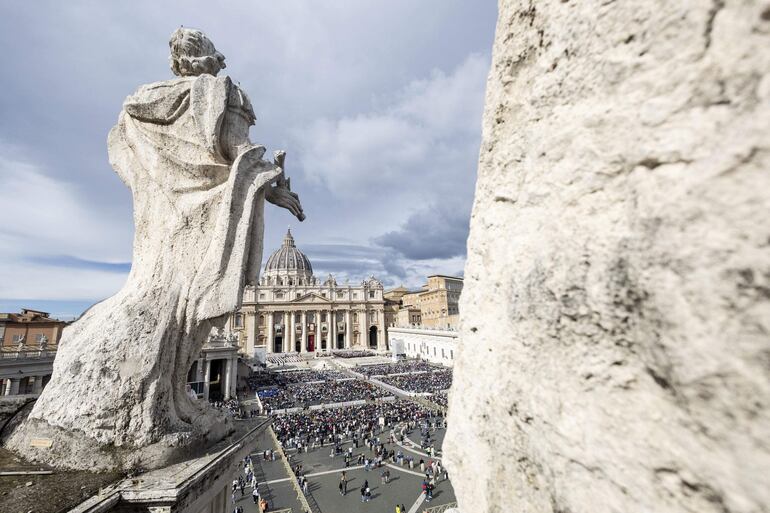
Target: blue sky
377, 103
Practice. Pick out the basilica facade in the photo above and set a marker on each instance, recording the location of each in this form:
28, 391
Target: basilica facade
293, 311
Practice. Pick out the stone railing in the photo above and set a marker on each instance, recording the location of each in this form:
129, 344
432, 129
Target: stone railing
27, 353
219, 344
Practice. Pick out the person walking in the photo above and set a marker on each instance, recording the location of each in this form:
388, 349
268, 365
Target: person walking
255, 495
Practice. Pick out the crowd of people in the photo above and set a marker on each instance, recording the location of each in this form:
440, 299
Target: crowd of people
353, 353
441, 399
231, 406
281, 379
330, 427
305, 376
307, 394
429, 382
400, 367
283, 358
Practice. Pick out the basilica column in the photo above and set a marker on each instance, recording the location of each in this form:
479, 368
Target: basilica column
289, 338
303, 339
269, 323
333, 328
251, 333
363, 328
348, 329
381, 342
284, 348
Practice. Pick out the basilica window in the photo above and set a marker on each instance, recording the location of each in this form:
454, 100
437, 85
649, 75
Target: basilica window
340, 295
261, 320
279, 295
371, 294
323, 317
261, 295
297, 317
238, 320
355, 295
355, 317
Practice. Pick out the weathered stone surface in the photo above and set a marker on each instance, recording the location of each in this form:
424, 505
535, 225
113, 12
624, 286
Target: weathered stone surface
117, 395
615, 352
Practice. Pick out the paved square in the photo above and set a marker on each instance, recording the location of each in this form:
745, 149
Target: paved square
323, 474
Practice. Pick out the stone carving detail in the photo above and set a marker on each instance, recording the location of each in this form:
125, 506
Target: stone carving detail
117, 397
616, 308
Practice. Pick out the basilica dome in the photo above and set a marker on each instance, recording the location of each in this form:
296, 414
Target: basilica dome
288, 260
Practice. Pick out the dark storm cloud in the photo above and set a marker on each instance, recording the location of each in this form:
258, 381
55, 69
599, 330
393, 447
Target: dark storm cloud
437, 232
71, 262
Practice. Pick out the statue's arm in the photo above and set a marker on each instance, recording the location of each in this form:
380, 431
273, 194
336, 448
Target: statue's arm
234, 140
281, 194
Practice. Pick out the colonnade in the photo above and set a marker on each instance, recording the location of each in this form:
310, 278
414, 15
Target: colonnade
228, 374
12, 386
305, 326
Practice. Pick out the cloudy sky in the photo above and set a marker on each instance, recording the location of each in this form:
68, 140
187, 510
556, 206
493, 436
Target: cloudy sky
377, 103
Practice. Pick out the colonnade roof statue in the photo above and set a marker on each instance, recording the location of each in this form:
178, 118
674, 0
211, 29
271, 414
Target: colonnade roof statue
117, 395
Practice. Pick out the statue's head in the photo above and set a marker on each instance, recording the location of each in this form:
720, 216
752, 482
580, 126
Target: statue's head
193, 54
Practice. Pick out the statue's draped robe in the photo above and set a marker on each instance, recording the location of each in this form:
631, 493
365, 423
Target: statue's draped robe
182, 147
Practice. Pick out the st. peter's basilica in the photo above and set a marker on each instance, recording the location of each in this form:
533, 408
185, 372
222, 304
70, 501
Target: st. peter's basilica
293, 311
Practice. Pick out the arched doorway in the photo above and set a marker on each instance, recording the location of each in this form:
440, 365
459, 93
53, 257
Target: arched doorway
373, 337
278, 344
323, 344
311, 343
340, 341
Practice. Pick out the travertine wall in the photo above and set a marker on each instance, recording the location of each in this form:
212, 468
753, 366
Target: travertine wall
615, 352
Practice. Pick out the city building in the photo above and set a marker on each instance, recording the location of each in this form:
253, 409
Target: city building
291, 310
438, 301
29, 329
28, 342
435, 305
434, 345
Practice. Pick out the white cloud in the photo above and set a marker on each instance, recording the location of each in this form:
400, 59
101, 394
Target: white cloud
44, 218
423, 142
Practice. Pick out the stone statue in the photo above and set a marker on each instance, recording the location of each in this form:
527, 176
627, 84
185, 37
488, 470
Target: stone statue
118, 396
